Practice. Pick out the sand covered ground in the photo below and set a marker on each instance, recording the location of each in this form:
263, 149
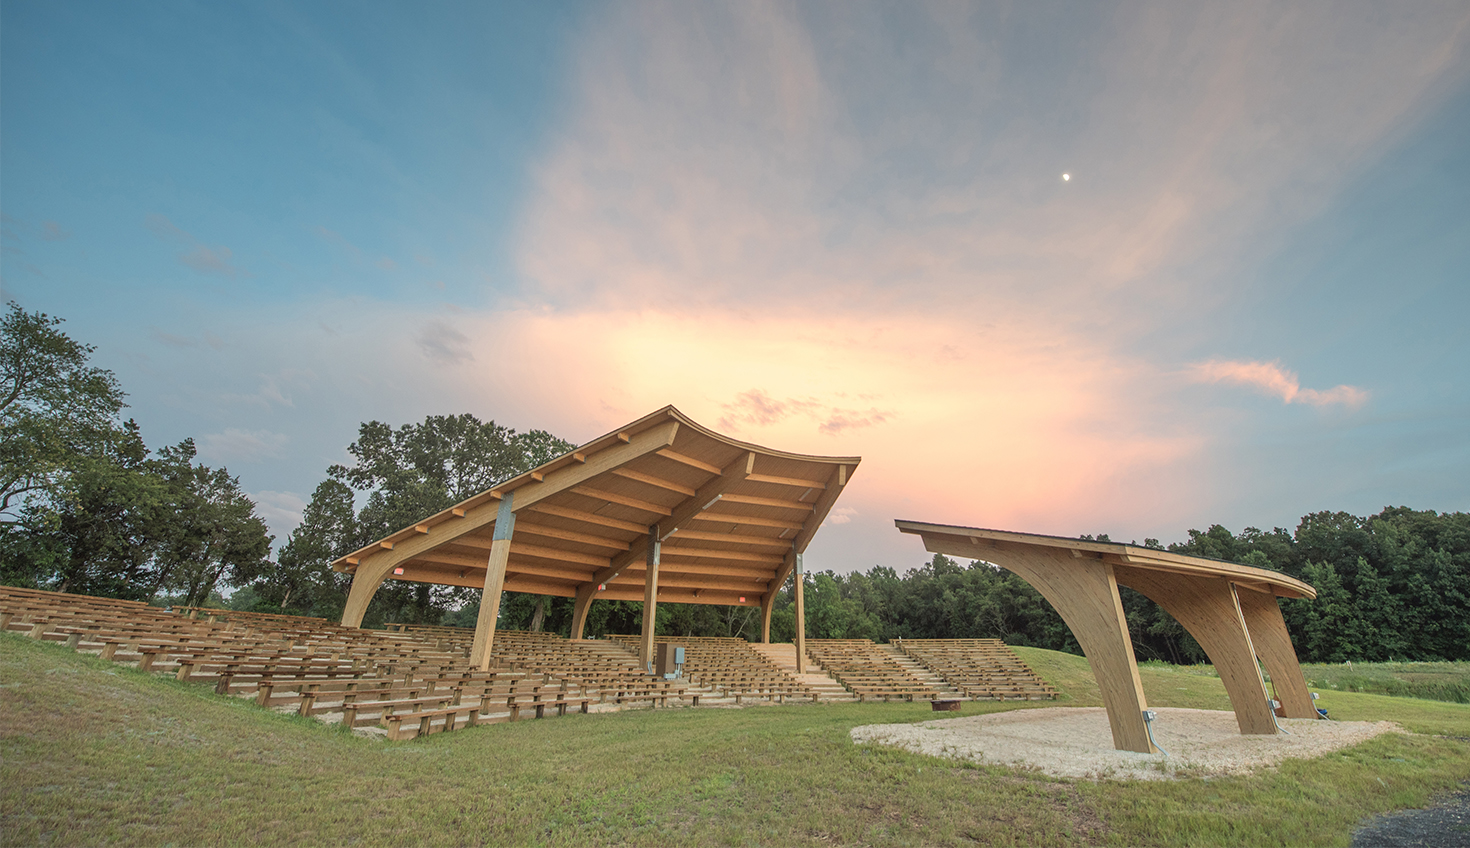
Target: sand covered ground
1076, 742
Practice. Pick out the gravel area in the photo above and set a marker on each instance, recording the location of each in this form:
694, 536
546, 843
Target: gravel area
1444, 825
1076, 742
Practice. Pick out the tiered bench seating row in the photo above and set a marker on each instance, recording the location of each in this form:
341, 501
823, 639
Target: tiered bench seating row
730, 667
866, 670
398, 681
979, 668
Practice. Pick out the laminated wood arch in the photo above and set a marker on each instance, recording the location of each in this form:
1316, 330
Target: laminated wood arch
1230, 609
661, 510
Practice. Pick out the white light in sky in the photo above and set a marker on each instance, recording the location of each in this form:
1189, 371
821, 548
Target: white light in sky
1066, 177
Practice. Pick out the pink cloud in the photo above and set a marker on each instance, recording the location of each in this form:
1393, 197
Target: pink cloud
1272, 379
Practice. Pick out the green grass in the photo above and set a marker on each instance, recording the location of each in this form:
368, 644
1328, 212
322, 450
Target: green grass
1439, 681
92, 753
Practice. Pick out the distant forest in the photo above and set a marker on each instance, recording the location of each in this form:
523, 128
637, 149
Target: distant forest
86, 507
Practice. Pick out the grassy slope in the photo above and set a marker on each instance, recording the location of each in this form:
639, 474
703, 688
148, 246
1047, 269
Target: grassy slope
94, 753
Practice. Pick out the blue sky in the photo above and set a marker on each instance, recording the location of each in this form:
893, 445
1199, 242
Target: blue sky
833, 228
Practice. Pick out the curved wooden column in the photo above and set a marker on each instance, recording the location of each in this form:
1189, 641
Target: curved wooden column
1085, 593
1208, 609
1273, 645
586, 593
365, 583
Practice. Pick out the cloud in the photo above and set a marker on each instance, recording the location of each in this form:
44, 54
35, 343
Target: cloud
756, 408
52, 231
236, 445
735, 155
165, 229
282, 511
848, 419
441, 342
387, 264
1021, 425
215, 260
172, 340
840, 515
199, 256
273, 388
1270, 378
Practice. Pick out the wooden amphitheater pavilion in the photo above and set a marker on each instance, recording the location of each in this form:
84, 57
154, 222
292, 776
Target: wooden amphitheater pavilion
1230, 609
661, 510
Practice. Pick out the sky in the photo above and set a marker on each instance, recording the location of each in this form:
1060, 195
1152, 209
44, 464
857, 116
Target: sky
1047, 267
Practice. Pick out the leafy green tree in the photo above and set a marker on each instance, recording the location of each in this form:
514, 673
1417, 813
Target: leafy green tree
400, 476
302, 580
54, 407
213, 533
102, 525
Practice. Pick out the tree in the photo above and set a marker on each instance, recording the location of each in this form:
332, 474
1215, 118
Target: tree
407, 474
213, 533
54, 407
303, 580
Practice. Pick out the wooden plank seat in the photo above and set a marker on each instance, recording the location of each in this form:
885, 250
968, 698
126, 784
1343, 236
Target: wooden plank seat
369, 713
980, 668
278, 693
248, 676
866, 671
539, 705
422, 721
730, 666
311, 699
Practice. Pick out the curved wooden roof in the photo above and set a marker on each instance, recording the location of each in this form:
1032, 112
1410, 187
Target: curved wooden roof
971, 542
730, 515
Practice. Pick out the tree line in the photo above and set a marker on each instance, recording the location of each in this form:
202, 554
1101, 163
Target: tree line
86, 507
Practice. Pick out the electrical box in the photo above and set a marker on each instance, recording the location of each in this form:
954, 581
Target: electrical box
668, 660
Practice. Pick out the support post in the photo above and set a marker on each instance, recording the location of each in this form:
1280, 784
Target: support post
585, 595
800, 575
768, 603
1273, 645
1085, 593
365, 585
650, 599
505, 525
1210, 611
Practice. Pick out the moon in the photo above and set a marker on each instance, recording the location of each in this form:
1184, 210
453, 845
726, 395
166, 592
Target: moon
1066, 177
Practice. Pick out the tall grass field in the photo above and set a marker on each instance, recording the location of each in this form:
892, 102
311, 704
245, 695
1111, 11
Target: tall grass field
92, 753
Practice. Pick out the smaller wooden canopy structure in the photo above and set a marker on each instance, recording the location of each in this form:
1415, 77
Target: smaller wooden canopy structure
1229, 609
660, 510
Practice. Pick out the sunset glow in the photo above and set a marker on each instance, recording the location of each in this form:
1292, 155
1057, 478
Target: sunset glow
824, 230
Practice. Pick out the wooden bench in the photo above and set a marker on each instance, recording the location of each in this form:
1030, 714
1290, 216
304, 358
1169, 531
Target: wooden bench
423, 721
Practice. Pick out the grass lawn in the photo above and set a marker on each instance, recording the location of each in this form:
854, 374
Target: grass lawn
94, 753
1441, 681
